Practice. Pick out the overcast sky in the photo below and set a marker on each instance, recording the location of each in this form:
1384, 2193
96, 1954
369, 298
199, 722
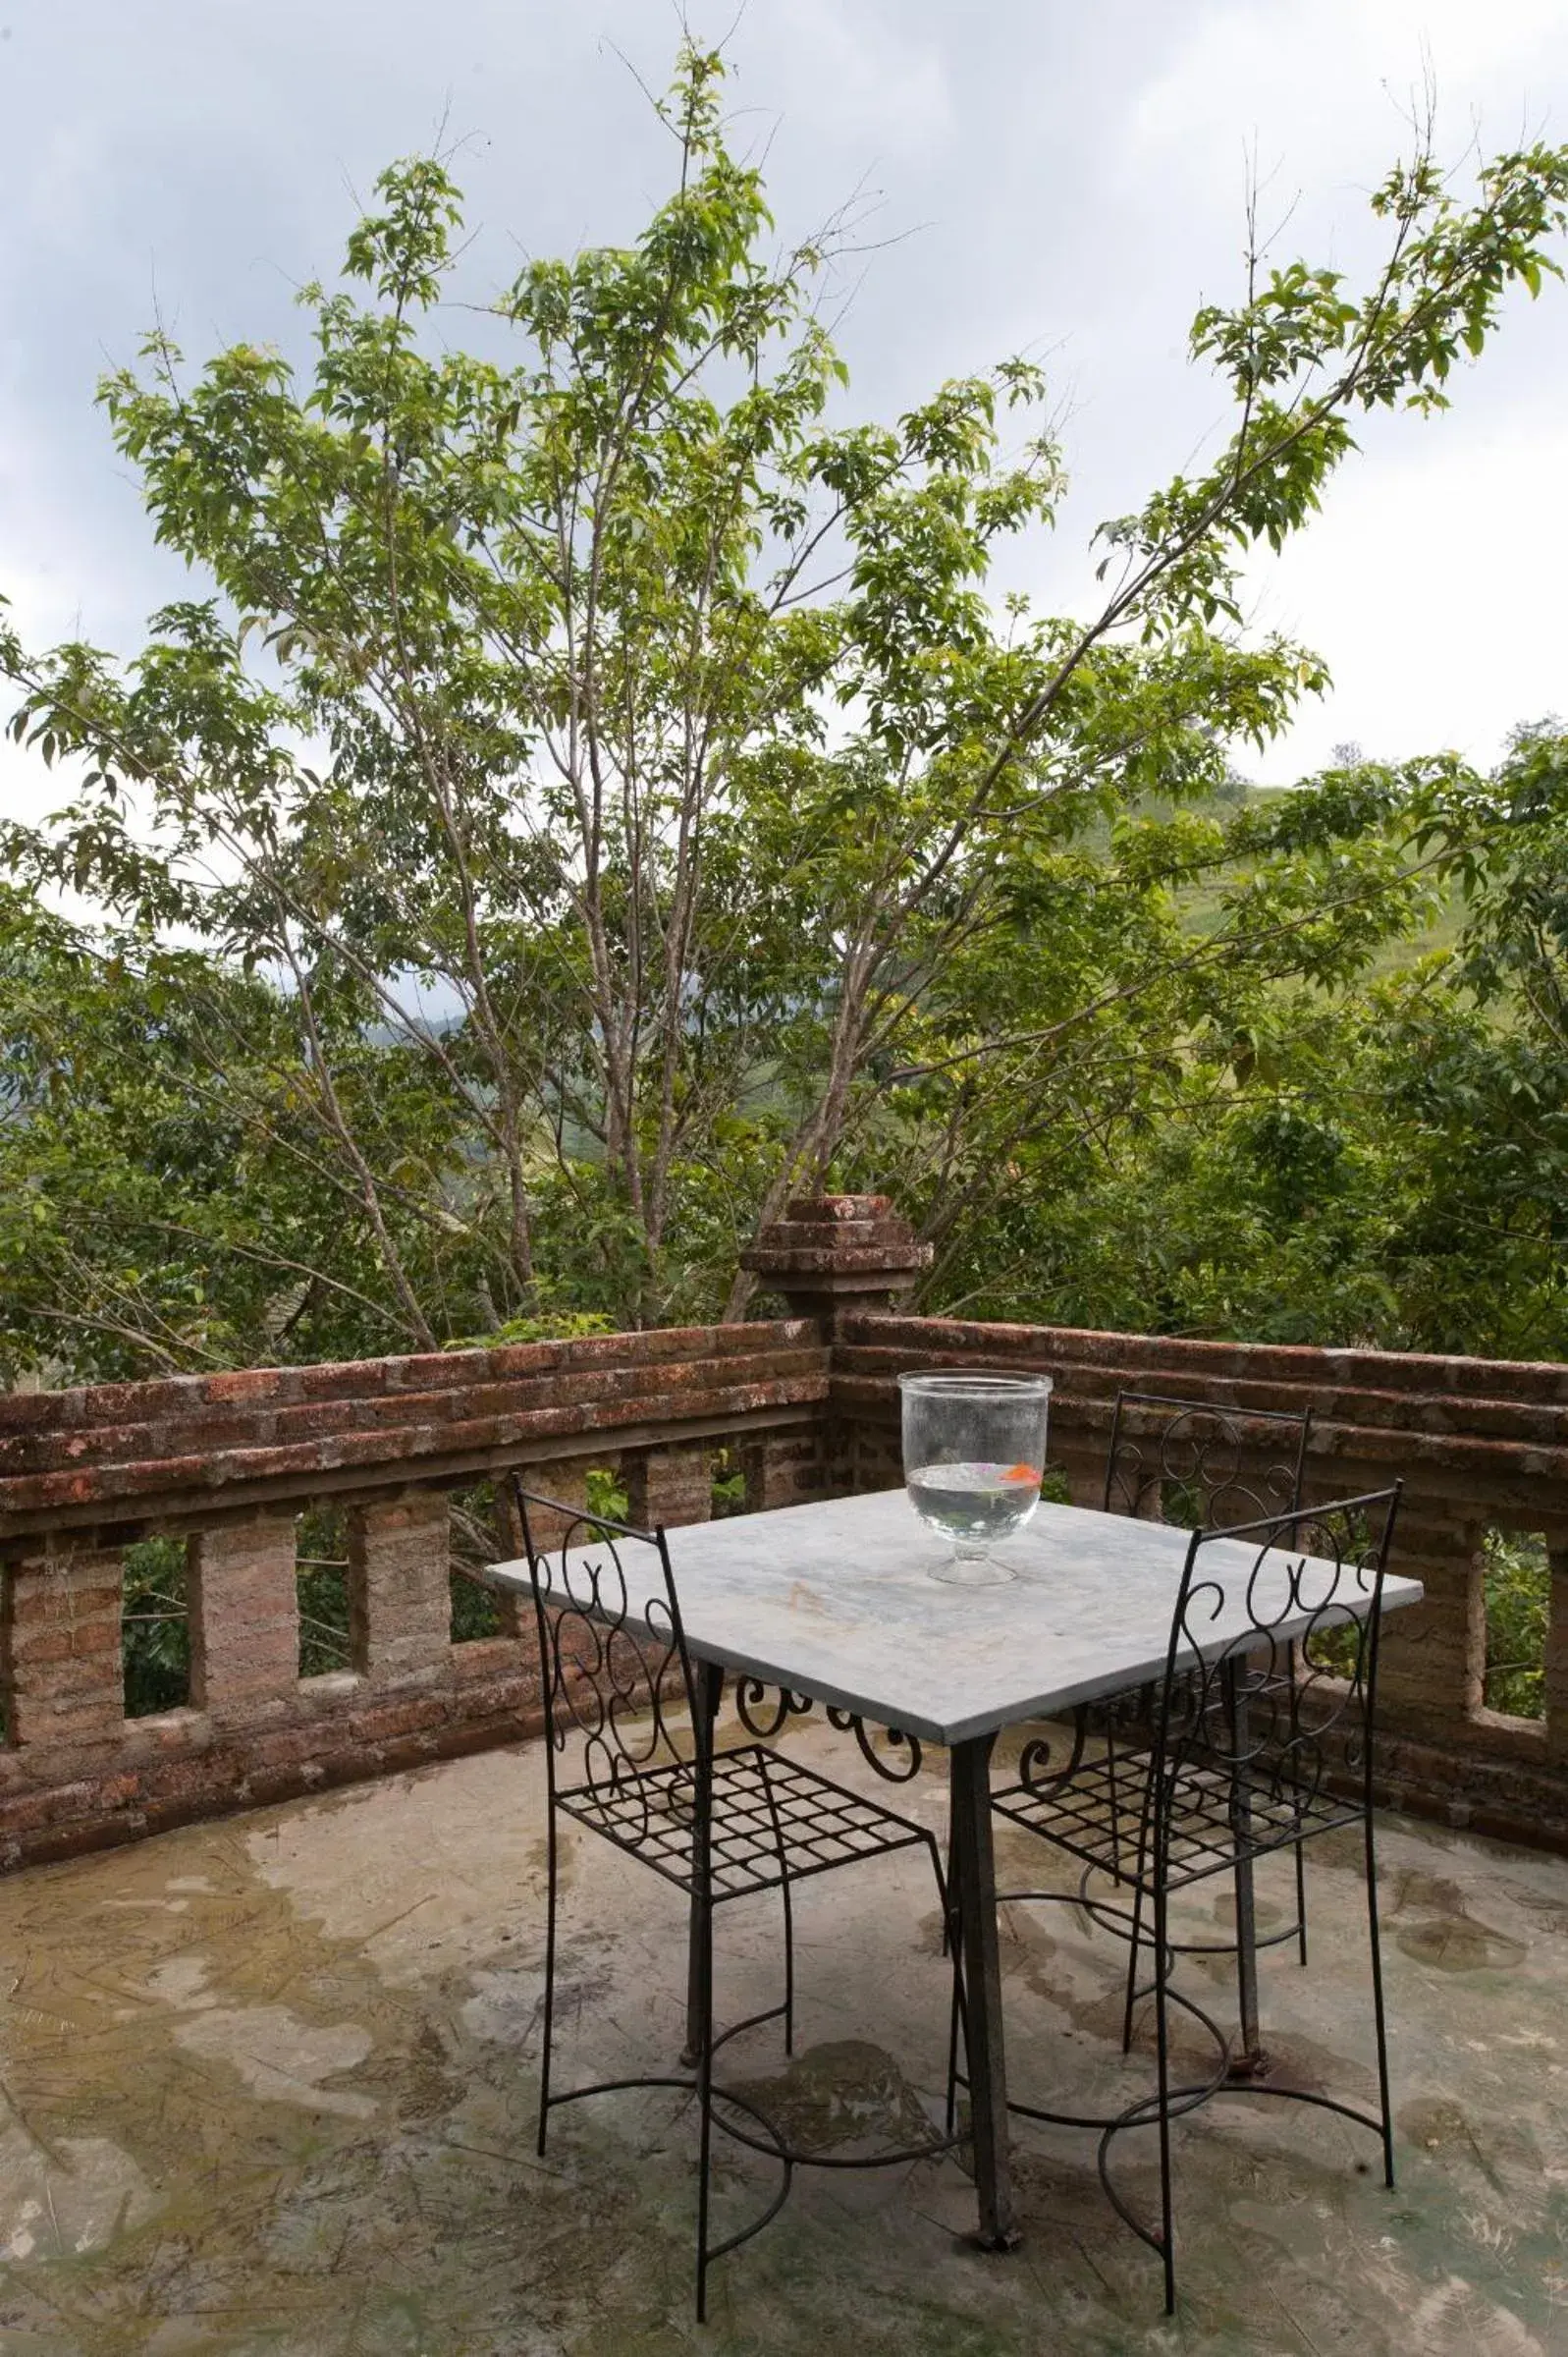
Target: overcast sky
1064, 179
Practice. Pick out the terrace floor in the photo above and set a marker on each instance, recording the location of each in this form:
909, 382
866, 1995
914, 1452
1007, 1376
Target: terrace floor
268, 2087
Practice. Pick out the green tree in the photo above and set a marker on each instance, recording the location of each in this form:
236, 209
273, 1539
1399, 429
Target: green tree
663, 729
165, 1202
1331, 1156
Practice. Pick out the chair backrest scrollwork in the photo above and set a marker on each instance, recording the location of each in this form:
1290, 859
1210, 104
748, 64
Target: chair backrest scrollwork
612, 1656
1189, 1462
1271, 1678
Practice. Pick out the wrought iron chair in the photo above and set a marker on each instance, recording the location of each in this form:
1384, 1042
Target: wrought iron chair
1190, 1463
620, 1685
1262, 1741
1186, 1460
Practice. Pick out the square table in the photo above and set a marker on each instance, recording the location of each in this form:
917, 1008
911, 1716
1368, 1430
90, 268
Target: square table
835, 1600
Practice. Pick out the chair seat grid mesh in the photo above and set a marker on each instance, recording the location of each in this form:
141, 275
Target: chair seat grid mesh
760, 1797
1098, 1820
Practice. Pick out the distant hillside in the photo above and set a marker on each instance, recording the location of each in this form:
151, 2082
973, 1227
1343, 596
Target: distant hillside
1201, 906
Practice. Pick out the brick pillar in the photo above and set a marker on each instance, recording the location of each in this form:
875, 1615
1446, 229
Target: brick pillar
1431, 1662
670, 1485
784, 1468
1557, 1654
565, 1478
832, 1253
1083, 1461
62, 1662
869, 1456
400, 1593
245, 1617
830, 1256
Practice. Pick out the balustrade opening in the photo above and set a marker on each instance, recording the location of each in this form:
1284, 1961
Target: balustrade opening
321, 1584
481, 1534
729, 1482
155, 1627
1517, 1585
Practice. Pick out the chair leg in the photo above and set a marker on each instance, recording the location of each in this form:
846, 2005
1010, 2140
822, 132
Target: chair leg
1135, 1949
1253, 2062
710, 1694
700, 1976
789, 1964
1379, 2017
1162, 2082
704, 1944
787, 1900
951, 2127
951, 1946
550, 1976
1294, 1657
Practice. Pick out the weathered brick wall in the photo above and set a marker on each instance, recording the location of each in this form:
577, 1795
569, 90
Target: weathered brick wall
669, 1486
228, 1462
1480, 1444
188, 1445
61, 1649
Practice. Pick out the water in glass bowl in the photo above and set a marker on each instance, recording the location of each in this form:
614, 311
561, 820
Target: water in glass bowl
974, 1500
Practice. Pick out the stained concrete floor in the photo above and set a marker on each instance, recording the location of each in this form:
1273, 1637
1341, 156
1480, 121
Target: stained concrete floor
268, 2087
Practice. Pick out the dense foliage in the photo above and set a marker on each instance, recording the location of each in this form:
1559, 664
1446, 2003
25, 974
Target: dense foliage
1380, 1160
596, 798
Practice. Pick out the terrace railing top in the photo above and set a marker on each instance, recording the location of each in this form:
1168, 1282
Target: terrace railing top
1488, 1431
180, 1447
1358, 1372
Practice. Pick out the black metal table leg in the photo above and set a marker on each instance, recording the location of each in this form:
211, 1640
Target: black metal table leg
710, 1694
975, 1876
1252, 2062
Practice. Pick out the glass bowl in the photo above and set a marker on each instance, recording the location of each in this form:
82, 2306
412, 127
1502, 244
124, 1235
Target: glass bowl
974, 1455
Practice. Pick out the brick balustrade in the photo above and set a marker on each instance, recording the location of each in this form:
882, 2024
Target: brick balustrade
228, 1462
807, 1405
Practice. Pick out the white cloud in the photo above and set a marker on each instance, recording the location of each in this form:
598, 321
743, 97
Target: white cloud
62, 198
858, 75
1320, 75
1437, 594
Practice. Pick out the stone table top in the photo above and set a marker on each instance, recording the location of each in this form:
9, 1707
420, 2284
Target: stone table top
835, 1600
